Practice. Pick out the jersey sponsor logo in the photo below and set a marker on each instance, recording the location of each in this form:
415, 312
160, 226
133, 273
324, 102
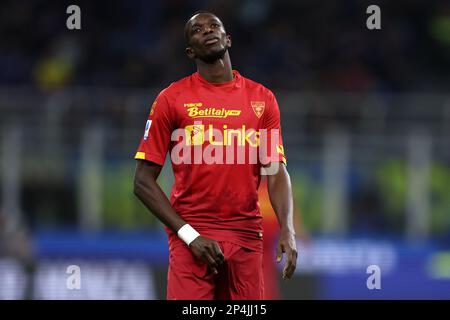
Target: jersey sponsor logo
209, 144
193, 105
197, 134
147, 128
258, 107
196, 110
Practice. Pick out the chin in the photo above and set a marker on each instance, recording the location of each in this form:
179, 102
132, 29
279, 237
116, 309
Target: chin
213, 55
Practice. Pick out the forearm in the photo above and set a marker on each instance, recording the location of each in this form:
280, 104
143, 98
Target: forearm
280, 193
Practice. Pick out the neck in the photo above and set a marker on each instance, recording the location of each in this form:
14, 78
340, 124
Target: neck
217, 72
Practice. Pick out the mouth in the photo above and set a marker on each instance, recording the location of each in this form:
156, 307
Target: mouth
211, 41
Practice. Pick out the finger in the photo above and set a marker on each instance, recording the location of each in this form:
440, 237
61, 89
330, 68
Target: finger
287, 268
291, 263
279, 253
288, 271
214, 270
219, 253
211, 262
213, 253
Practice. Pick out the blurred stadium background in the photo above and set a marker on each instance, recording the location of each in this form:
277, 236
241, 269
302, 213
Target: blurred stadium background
366, 125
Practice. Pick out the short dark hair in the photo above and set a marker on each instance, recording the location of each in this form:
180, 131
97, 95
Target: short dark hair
186, 26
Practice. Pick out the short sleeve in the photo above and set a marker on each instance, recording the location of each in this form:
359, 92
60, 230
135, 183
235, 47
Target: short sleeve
272, 125
155, 142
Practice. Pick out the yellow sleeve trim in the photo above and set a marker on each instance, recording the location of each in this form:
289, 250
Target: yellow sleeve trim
140, 155
280, 150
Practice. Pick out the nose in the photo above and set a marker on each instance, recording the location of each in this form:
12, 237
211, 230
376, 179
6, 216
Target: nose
207, 30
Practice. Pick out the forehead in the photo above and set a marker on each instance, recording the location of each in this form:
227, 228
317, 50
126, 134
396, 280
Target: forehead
201, 18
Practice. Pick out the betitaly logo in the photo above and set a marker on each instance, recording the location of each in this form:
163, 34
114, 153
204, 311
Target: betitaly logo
196, 110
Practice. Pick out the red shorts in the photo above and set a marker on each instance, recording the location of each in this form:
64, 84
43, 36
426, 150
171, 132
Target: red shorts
239, 278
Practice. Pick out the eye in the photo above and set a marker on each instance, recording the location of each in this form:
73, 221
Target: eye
196, 30
214, 25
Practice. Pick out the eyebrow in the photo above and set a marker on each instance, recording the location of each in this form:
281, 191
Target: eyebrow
210, 20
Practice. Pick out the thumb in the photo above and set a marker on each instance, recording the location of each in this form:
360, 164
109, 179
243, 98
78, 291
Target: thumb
279, 253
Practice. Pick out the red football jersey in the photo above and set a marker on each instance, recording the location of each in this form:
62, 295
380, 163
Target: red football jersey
218, 137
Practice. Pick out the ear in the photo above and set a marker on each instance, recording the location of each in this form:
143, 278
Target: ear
229, 41
190, 53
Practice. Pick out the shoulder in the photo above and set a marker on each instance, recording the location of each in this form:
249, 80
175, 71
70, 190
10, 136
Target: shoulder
258, 88
176, 88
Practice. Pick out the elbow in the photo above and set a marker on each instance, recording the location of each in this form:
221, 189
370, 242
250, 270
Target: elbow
143, 186
138, 187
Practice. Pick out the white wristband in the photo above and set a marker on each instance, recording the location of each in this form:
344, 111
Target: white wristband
187, 234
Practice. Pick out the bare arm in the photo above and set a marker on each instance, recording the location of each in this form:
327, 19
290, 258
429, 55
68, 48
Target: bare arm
149, 192
280, 193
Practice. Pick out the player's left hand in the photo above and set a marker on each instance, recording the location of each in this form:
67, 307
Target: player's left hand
288, 246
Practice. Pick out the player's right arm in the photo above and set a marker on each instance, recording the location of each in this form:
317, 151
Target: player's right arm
149, 192
150, 159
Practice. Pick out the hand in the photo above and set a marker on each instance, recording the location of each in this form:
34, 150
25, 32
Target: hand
209, 251
287, 245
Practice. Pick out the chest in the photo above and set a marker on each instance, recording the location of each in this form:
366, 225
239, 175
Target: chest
227, 110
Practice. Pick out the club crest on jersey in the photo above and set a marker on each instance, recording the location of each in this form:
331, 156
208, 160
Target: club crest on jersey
258, 107
147, 128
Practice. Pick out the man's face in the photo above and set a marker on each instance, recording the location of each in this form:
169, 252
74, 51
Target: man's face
207, 39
